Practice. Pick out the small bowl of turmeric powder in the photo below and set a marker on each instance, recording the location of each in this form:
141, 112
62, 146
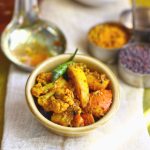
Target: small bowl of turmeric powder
106, 39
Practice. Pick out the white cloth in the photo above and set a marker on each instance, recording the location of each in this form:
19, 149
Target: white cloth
125, 131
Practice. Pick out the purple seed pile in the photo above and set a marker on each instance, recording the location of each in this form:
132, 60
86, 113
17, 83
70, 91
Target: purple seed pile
136, 57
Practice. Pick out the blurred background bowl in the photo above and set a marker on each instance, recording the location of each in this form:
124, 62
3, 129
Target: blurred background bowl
133, 75
134, 79
94, 2
107, 55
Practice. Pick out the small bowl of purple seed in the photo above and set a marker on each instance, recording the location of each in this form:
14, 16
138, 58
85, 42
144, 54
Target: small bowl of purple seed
134, 64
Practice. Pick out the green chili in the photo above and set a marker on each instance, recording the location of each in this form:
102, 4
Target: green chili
61, 69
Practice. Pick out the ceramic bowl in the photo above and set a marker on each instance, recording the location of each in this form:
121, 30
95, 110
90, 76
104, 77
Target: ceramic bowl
50, 64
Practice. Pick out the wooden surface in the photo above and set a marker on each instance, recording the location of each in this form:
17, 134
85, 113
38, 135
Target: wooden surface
4, 67
6, 7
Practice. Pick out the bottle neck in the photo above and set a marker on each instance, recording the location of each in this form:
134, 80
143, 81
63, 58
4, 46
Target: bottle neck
26, 11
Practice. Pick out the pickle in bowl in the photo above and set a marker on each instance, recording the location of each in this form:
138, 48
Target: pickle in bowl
83, 97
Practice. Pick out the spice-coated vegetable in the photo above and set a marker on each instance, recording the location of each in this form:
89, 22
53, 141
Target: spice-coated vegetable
79, 79
38, 89
61, 69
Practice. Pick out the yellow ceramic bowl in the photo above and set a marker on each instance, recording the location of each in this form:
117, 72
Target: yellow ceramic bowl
51, 64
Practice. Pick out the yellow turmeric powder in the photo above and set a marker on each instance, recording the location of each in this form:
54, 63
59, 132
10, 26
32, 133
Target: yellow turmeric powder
109, 35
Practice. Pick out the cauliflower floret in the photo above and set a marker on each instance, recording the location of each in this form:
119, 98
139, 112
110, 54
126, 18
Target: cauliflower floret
60, 82
50, 103
104, 81
63, 119
75, 108
44, 78
38, 89
65, 95
66, 118
97, 81
44, 100
82, 66
100, 102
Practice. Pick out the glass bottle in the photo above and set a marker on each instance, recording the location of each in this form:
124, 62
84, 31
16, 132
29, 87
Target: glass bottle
141, 20
138, 19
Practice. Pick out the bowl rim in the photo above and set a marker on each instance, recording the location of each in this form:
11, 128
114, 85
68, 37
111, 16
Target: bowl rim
33, 108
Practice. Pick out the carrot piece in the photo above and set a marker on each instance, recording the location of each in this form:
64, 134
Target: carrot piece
88, 119
77, 121
100, 102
